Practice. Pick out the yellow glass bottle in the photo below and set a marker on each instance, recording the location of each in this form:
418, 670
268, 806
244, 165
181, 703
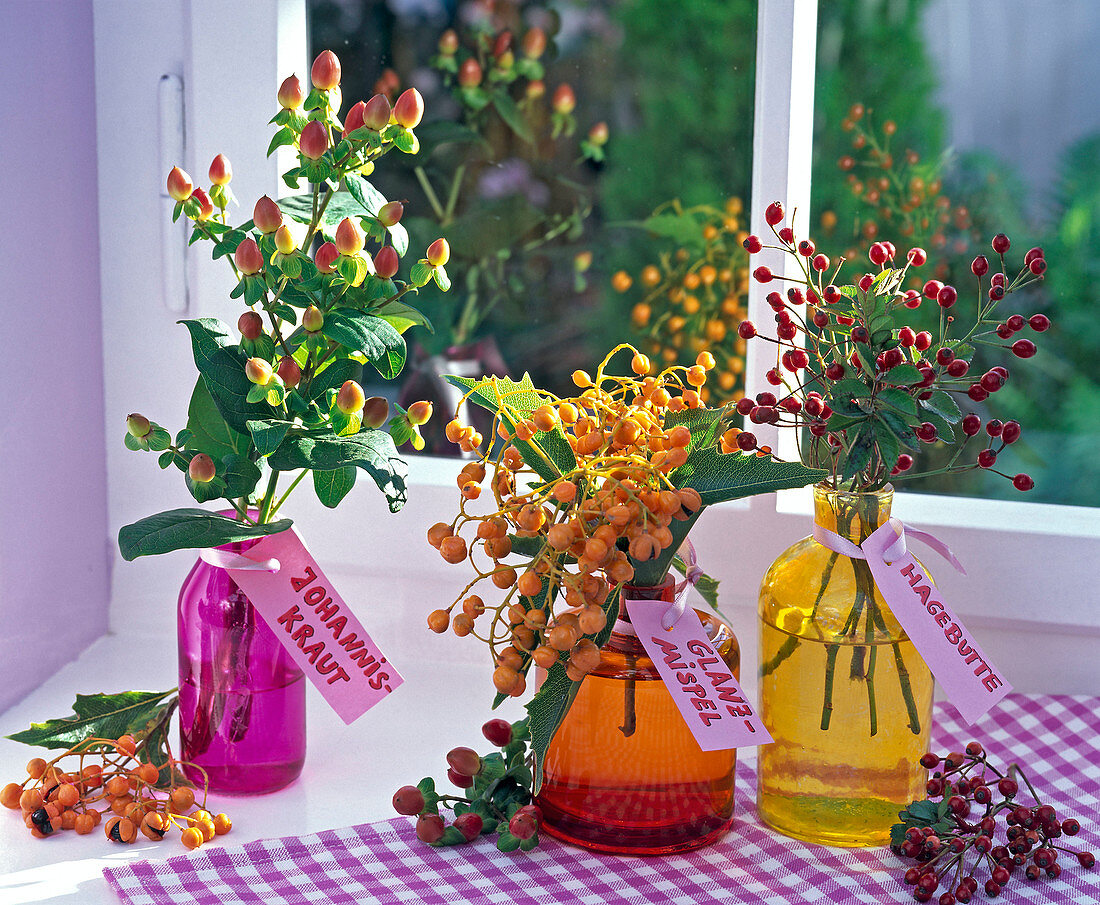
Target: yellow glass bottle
843, 691
624, 774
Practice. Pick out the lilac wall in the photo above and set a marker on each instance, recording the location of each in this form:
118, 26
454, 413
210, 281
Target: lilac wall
53, 495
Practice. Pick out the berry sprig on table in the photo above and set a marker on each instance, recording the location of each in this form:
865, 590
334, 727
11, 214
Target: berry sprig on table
131, 793
497, 794
952, 840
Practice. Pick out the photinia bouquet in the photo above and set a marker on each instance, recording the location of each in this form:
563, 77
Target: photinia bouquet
870, 390
589, 493
283, 394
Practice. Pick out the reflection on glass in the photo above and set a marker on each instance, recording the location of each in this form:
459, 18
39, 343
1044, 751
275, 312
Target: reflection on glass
941, 124
553, 131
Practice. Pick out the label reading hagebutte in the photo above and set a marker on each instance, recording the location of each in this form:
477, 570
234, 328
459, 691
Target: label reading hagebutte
317, 627
707, 695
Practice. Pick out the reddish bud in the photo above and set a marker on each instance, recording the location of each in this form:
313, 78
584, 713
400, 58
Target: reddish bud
251, 325
326, 257
523, 825
390, 213
314, 140
206, 206
258, 371
465, 761
599, 133
448, 43
313, 319
291, 95
354, 119
409, 109
376, 411
386, 262
266, 215
221, 170
350, 238
248, 257
786, 234
535, 89
408, 800
564, 100
350, 398
376, 113
533, 44
201, 469
180, 186
470, 825
438, 253
325, 73
469, 73
138, 426
289, 372
419, 413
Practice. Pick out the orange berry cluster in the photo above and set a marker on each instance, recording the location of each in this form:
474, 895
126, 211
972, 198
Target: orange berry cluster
581, 532
901, 192
119, 789
694, 297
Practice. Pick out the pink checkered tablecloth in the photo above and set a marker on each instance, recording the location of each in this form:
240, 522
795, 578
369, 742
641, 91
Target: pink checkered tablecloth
384, 863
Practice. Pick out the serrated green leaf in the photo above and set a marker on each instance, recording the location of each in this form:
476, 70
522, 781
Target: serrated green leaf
943, 405
219, 362
944, 429
730, 476
903, 375
105, 716
899, 428
850, 388
859, 455
371, 450
375, 337
523, 398
332, 486
183, 529
899, 400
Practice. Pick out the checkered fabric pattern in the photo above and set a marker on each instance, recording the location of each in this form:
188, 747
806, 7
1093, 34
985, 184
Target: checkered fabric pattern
384, 863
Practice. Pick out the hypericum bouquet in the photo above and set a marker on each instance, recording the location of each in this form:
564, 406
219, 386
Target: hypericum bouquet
870, 390
286, 396
693, 298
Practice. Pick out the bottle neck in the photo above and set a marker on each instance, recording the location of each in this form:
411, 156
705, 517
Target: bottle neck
852, 515
665, 591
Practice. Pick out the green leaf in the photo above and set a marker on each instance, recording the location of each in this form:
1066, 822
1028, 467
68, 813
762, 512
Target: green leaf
943, 405
445, 131
849, 389
284, 136
439, 274
680, 227
100, 716
730, 476
219, 362
859, 456
205, 491
451, 836
332, 377
899, 428
333, 486
548, 452
404, 140
513, 116
376, 338
209, 432
899, 400
241, 476
371, 450
421, 273
182, 529
944, 429
267, 435
903, 375
401, 316
506, 842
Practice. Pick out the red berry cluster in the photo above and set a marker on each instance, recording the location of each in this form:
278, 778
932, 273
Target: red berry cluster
951, 841
869, 389
497, 794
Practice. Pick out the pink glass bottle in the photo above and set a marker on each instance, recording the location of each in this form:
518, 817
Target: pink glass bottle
242, 698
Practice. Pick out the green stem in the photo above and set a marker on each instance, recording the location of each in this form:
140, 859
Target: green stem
791, 644
433, 198
269, 497
452, 196
830, 670
903, 674
630, 714
294, 484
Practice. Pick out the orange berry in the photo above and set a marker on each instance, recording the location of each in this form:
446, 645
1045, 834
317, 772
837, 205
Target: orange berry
438, 620
463, 625
453, 549
544, 656
419, 413
621, 281
562, 637
651, 276
564, 491
122, 804
208, 830
149, 773
191, 838
592, 619
119, 829
68, 795
10, 795
639, 364
505, 679
84, 824
182, 799
529, 584
222, 824
36, 766
585, 655
473, 606
439, 532
30, 800
118, 786
154, 826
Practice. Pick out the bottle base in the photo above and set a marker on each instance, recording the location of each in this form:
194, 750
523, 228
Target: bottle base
235, 779
842, 822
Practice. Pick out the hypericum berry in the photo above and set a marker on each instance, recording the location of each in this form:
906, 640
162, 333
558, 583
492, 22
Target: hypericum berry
470, 825
774, 213
376, 410
429, 828
350, 398
564, 100
313, 319
326, 256
1001, 243
523, 825
201, 469
409, 109
250, 325
325, 72
762, 274
266, 215
498, 732
904, 463
465, 761
376, 113
180, 185
386, 262
469, 73
752, 244
258, 371
314, 140
408, 800
248, 258
1023, 348
354, 118
1087, 860
533, 44
285, 241
291, 96
438, 253
350, 238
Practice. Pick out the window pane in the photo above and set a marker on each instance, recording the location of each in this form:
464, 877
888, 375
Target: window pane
531, 210
995, 129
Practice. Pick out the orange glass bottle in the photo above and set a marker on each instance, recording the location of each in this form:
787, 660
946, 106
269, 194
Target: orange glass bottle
624, 774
